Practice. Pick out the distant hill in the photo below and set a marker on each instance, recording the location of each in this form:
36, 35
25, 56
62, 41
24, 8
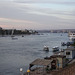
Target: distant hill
56, 31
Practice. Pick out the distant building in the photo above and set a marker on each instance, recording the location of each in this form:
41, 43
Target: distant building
0, 31
58, 61
0, 28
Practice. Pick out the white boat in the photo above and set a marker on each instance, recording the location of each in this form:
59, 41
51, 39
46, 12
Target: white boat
55, 48
12, 33
12, 36
46, 48
72, 36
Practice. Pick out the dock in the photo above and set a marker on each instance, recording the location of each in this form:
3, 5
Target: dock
40, 62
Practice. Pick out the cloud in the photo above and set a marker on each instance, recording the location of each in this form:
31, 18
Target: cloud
46, 1
37, 14
10, 23
55, 15
14, 20
65, 13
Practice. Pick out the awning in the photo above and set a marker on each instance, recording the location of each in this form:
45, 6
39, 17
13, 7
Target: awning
41, 62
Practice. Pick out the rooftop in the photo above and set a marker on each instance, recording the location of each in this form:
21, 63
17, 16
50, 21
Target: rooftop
70, 48
42, 62
54, 56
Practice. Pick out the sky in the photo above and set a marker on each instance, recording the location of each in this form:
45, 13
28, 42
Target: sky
37, 14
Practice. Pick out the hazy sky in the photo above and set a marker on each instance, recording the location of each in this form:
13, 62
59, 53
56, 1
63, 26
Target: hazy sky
37, 14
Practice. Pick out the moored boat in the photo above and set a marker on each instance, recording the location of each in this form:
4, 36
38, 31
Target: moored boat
12, 35
55, 48
63, 44
46, 48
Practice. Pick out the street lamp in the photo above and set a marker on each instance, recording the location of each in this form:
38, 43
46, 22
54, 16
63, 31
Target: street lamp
28, 71
21, 71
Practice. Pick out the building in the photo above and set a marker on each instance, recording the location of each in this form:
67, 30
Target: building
58, 61
70, 53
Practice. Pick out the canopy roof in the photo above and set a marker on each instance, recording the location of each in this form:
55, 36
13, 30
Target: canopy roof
41, 62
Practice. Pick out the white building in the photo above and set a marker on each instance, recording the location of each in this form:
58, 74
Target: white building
72, 36
70, 52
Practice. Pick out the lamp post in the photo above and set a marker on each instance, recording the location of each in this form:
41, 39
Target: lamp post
28, 71
21, 70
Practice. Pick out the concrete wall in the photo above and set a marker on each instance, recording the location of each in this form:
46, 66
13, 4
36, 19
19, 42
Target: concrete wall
60, 62
69, 70
64, 62
73, 53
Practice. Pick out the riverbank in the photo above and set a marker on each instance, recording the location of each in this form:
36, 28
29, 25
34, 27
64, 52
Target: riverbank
61, 63
69, 69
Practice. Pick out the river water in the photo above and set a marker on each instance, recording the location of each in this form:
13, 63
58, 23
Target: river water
18, 53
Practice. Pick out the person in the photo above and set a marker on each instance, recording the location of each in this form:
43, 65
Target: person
47, 69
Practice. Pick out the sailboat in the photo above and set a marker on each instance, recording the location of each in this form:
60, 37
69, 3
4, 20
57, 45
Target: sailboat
12, 33
12, 36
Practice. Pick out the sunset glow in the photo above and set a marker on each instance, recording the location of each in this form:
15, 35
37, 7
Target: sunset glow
31, 14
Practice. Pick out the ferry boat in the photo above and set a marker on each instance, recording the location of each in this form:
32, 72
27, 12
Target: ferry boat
55, 48
46, 48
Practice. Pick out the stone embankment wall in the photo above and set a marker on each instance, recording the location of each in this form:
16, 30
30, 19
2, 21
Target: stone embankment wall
69, 70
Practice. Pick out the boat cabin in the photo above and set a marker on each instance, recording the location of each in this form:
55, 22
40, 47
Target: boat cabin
55, 48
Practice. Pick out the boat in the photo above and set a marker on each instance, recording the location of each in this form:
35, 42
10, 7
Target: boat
67, 43
63, 44
55, 48
12, 33
22, 35
12, 36
46, 48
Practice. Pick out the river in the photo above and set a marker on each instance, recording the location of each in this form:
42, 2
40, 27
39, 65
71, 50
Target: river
18, 53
